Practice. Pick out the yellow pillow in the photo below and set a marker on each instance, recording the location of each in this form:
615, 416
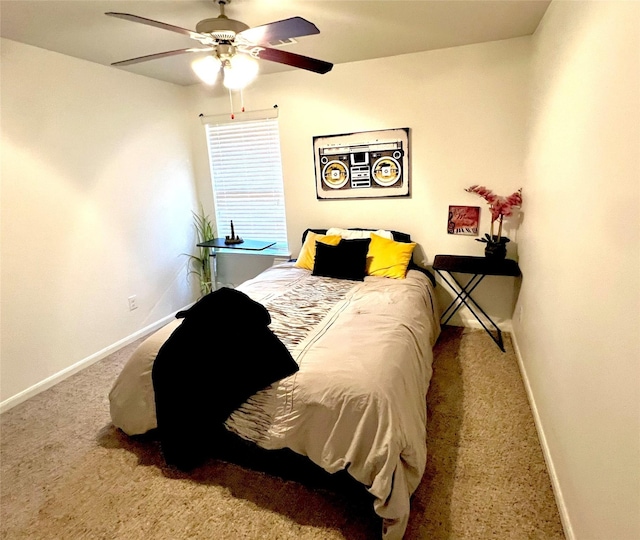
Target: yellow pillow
307, 254
388, 258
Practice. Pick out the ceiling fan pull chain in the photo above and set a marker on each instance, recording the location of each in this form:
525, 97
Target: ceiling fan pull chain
231, 104
241, 100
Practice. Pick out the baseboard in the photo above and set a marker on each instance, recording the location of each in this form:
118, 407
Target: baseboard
78, 366
555, 484
470, 322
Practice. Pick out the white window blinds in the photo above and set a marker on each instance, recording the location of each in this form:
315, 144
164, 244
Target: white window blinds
246, 172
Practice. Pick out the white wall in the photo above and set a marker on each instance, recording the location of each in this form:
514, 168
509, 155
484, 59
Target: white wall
579, 337
466, 108
97, 192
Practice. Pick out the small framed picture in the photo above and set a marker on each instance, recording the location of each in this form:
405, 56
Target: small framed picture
463, 220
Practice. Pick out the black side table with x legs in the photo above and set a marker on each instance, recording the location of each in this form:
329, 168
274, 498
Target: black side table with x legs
479, 267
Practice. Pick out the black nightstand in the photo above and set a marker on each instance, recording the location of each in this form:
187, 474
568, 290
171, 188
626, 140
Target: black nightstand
479, 267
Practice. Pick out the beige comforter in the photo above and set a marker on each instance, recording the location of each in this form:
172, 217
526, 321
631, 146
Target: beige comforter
357, 402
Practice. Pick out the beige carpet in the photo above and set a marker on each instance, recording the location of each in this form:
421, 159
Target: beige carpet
66, 473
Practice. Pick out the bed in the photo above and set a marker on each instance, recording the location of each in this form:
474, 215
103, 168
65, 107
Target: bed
362, 343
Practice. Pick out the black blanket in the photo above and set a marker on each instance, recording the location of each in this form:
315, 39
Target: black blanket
221, 354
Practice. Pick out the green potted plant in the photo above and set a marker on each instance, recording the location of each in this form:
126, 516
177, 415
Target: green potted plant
200, 263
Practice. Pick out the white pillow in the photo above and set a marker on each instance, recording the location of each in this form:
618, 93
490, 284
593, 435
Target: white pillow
350, 235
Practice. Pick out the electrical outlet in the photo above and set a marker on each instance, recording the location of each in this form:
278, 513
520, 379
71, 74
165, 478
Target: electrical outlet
520, 312
133, 303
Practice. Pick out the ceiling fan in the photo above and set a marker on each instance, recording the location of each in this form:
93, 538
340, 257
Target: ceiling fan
234, 46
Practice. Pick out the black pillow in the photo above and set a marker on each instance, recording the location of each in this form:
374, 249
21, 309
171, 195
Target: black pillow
347, 260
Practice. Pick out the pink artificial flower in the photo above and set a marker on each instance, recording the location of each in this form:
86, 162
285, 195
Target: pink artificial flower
485, 193
498, 206
515, 199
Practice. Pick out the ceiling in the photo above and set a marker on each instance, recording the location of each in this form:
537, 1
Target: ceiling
350, 30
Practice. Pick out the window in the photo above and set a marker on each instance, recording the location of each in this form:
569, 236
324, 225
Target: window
246, 172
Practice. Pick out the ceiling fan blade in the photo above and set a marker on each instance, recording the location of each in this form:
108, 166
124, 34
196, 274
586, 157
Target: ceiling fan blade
157, 24
159, 55
279, 31
295, 60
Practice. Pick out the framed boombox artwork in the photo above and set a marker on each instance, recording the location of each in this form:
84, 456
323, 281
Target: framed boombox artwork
362, 165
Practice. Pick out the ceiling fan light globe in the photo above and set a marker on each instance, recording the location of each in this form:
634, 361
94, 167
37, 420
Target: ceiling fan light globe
240, 71
207, 69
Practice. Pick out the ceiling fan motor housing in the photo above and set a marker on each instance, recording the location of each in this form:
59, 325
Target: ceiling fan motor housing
221, 28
